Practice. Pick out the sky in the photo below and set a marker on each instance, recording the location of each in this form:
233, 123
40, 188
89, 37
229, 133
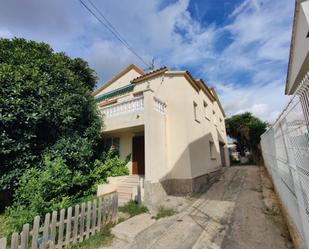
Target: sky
240, 47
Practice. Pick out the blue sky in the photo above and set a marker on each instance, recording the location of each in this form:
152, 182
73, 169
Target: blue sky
240, 47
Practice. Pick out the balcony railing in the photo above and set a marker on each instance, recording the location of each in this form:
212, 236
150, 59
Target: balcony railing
159, 106
133, 105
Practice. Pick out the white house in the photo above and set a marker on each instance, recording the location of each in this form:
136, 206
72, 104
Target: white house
170, 124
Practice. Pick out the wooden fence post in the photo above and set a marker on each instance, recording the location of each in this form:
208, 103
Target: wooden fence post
103, 211
24, 237
88, 219
94, 217
14, 241
61, 228
35, 232
75, 226
82, 222
99, 214
45, 231
69, 226
3, 243
53, 231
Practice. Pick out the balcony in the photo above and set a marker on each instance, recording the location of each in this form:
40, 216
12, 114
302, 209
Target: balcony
132, 112
132, 105
159, 106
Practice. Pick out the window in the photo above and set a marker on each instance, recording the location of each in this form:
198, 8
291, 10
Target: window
212, 150
205, 108
195, 111
112, 143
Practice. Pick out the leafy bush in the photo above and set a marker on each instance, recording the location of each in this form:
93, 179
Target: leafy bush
43, 190
56, 185
44, 97
109, 165
49, 131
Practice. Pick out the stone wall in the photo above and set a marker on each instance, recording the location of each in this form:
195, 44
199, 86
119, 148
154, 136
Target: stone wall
155, 193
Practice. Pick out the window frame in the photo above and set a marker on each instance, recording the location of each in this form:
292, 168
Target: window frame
195, 111
212, 150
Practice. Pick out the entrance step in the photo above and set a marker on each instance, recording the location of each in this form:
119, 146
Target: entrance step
126, 186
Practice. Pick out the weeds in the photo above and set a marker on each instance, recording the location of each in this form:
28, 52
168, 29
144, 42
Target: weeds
133, 208
164, 213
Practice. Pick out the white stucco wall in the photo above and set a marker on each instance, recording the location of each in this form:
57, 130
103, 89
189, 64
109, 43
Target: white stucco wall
299, 63
176, 145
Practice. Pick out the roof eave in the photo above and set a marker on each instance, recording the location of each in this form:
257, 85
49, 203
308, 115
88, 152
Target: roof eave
296, 13
117, 76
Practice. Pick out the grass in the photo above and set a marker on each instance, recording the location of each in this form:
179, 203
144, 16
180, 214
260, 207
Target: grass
133, 208
4, 226
98, 240
164, 213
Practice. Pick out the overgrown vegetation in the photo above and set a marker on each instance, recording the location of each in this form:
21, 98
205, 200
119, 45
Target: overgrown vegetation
56, 186
50, 136
133, 208
164, 212
246, 129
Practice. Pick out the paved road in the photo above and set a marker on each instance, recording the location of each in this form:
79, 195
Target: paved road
230, 215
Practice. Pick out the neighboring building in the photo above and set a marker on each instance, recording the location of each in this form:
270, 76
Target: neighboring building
299, 51
171, 124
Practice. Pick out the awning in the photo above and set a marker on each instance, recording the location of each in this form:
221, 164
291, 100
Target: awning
114, 93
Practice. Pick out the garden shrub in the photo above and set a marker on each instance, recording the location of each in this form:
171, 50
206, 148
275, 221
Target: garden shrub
44, 97
55, 186
109, 165
49, 131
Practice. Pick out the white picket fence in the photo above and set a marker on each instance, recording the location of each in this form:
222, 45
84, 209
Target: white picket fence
66, 227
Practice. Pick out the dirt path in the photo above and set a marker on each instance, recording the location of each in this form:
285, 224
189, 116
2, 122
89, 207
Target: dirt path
251, 225
230, 215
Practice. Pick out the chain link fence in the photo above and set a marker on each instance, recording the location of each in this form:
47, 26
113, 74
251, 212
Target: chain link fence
285, 148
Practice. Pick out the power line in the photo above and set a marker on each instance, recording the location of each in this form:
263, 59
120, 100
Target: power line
114, 32
108, 22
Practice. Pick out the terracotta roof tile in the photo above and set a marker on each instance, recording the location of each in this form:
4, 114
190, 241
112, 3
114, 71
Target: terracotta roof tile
149, 75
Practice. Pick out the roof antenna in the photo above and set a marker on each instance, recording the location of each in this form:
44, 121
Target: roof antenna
152, 66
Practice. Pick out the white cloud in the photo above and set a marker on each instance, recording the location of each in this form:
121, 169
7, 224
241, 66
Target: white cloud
251, 60
5, 33
110, 56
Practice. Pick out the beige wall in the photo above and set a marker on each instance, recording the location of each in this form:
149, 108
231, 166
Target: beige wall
176, 145
299, 64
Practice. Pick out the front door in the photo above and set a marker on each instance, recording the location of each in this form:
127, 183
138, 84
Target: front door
138, 158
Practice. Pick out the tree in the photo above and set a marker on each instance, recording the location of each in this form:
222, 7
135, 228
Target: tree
46, 107
246, 129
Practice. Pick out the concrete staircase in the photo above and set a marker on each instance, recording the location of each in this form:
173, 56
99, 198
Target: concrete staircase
127, 188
